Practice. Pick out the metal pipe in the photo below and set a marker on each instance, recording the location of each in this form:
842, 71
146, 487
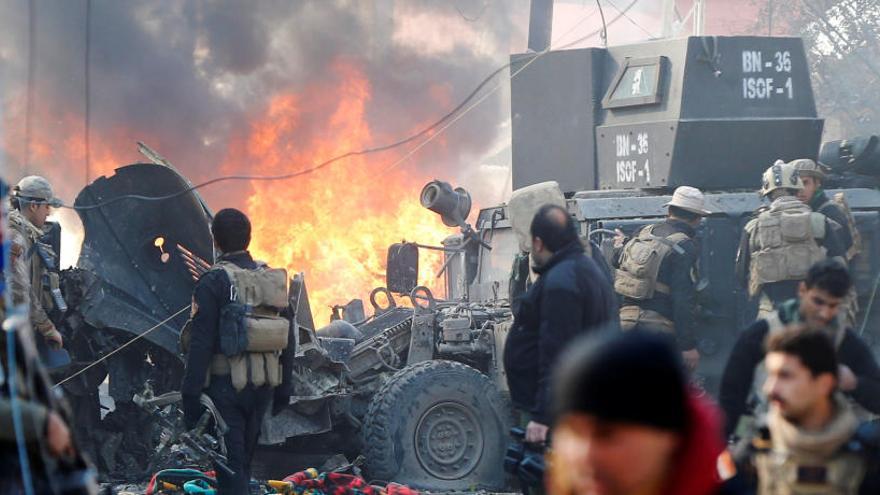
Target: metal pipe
540, 25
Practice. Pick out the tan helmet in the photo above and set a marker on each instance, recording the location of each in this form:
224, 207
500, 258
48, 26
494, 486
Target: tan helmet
36, 189
808, 168
780, 176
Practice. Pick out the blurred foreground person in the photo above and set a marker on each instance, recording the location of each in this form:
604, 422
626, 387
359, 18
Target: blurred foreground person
629, 424
812, 441
570, 297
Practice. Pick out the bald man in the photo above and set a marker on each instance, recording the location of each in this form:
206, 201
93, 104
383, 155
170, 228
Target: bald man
571, 297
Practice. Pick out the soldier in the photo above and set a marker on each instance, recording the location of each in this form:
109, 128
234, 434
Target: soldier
238, 344
31, 281
655, 274
812, 441
780, 245
813, 194
813, 176
43, 430
818, 307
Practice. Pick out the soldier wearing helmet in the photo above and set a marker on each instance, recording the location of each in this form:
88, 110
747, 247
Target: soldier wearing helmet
779, 246
31, 282
812, 175
655, 274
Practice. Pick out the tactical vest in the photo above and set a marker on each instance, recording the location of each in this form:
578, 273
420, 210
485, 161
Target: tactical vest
781, 472
252, 332
640, 263
783, 243
839, 200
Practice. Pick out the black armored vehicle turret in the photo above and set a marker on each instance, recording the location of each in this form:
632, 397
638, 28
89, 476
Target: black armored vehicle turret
618, 129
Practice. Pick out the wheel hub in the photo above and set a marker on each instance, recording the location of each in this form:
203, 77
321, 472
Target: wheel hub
449, 441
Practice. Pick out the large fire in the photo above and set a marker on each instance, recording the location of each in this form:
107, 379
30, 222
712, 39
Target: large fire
334, 225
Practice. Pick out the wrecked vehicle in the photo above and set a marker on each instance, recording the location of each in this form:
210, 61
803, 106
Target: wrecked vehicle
418, 388
414, 388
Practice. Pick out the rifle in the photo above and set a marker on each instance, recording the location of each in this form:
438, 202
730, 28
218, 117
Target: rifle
197, 446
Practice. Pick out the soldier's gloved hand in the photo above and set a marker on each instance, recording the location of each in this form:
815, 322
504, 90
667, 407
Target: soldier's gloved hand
192, 410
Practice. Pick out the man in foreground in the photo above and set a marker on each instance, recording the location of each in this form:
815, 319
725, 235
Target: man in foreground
629, 424
812, 441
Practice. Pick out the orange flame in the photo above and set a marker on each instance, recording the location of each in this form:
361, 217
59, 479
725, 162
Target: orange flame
335, 225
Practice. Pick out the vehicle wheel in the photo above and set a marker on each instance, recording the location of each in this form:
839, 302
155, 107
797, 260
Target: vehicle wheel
438, 425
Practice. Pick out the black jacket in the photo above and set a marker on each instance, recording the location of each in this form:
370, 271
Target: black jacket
571, 296
211, 294
821, 204
679, 306
748, 352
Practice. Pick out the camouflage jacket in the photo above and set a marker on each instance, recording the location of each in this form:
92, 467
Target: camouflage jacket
26, 272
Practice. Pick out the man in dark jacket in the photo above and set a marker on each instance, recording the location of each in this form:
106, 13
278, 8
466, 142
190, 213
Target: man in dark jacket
813, 194
571, 296
818, 307
241, 402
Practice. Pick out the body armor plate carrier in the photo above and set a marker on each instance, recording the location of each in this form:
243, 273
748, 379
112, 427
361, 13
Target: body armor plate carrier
640, 263
784, 243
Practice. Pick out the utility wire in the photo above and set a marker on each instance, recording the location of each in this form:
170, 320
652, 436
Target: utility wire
441, 125
123, 346
31, 68
632, 21
88, 93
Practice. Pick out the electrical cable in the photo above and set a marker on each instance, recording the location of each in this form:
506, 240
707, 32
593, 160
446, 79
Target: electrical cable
604, 34
123, 346
452, 117
87, 117
633, 21
31, 68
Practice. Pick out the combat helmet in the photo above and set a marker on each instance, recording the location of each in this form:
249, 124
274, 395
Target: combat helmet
780, 175
808, 168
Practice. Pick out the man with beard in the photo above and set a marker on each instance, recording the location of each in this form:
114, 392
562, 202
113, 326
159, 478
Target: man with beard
571, 296
818, 307
812, 441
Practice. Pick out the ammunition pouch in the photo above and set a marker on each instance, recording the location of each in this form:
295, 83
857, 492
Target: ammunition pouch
256, 368
252, 334
784, 244
640, 264
633, 316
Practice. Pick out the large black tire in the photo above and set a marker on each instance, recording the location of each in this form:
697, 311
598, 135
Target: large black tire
438, 425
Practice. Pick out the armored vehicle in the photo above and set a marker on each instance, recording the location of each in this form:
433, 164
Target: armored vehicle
417, 388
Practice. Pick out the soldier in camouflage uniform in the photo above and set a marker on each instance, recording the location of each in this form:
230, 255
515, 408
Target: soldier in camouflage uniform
32, 200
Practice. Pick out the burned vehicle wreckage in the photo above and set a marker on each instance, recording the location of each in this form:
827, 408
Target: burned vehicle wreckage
418, 388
